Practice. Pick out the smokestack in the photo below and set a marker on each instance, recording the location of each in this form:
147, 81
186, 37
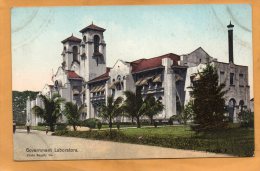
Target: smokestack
230, 42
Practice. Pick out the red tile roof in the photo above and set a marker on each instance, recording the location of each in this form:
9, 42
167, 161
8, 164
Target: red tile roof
73, 75
142, 65
71, 39
92, 27
146, 64
101, 77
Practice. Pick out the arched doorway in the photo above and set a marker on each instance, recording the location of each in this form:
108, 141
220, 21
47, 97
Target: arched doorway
241, 105
231, 109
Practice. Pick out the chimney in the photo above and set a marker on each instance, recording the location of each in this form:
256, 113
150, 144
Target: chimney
230, 42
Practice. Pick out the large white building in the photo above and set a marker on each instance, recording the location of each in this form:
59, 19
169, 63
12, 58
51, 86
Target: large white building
85, 79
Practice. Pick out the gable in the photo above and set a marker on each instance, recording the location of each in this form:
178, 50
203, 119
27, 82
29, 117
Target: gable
120, 68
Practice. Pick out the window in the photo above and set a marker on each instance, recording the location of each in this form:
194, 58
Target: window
75, 53
241, 79
231, 82
96, 43
113, 92
222, 75
84, 39
118, 86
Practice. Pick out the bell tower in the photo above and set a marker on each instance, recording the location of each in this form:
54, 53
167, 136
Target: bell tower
92, 52
70, 51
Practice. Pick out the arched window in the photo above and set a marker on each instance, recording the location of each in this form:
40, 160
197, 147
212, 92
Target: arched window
84, 39
241, 105
96, 43
119, 83
231, 109
75, 53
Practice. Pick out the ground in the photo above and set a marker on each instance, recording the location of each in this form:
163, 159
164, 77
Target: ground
91, 149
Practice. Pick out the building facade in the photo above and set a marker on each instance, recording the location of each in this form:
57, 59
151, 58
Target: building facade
84, 78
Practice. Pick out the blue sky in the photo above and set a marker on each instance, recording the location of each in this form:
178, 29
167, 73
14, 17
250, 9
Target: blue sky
132, 32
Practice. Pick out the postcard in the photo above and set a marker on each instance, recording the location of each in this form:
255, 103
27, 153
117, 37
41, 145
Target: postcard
132, 82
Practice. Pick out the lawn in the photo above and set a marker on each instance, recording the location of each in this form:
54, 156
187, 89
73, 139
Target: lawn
40, 128
165, 131
235, 141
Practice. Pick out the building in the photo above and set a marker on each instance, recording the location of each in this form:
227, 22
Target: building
85, 79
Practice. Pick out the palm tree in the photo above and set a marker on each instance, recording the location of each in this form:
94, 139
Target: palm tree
112, 109
51, 110
153, 107
134, 105
72, 112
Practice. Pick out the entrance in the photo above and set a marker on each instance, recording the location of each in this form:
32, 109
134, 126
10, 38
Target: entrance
231, 109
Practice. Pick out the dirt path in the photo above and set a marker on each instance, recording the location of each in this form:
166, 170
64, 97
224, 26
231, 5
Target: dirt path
64, 148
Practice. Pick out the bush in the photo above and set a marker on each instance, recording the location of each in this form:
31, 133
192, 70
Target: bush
99, 125
118, 125
91, 122
246, 119
173, 119
60, 127
42, 124
155, 123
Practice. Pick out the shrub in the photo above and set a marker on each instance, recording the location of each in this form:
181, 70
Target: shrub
155, 124
42, 124
61, 127
99, 125
91, 122
173, 119
246, 119
118, 125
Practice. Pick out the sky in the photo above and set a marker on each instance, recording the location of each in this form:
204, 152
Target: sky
132, 32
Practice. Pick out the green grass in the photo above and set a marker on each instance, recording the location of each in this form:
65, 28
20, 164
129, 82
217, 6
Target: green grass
175, 131
235, 141
114, 126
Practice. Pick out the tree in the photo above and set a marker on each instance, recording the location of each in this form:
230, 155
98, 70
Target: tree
186, 113
19, 105
153, 107
134, 105
72, 112
51, 110
208, 100
246, 118
111, 110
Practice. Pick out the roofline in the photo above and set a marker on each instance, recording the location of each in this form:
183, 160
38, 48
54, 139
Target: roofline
164, 56
195, 50
147, 69
75, 78
66, 40
229, 63
98, 80
124, 62
87, 28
